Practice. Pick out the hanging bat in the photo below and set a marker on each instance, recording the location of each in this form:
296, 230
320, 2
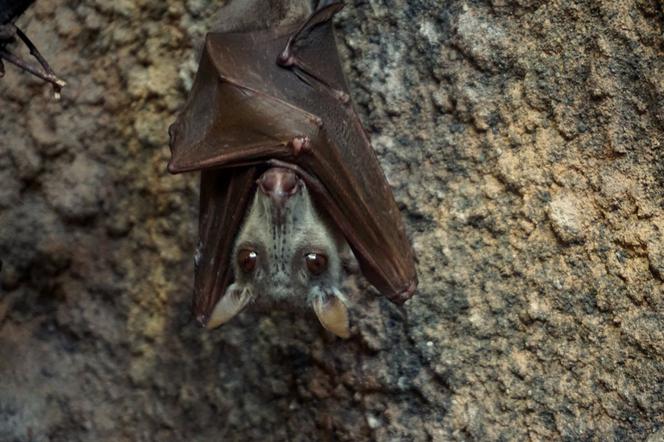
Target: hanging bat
10, 10
293, 199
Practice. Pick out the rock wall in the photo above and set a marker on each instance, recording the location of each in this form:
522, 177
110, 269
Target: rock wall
523, 140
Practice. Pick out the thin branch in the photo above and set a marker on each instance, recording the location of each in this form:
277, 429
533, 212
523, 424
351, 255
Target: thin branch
35, 53
47, 74
50, 78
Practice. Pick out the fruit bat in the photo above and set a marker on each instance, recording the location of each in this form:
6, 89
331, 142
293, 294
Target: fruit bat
293, 199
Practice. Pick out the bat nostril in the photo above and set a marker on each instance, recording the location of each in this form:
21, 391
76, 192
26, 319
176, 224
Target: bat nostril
279, 184
266, 182
289, 183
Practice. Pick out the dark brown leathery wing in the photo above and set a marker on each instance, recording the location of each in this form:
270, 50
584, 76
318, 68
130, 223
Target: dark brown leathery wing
225, 196
246, 109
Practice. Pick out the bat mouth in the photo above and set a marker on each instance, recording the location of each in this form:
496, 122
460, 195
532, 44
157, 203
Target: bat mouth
280, 184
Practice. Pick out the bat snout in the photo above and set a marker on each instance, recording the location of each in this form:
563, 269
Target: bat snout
279, 184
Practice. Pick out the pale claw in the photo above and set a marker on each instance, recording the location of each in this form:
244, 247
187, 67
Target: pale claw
332, 314
233, 301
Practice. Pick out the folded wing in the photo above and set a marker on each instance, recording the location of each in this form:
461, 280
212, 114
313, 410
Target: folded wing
254, 96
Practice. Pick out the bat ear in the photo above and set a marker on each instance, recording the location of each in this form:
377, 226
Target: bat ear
332, 314
233, 301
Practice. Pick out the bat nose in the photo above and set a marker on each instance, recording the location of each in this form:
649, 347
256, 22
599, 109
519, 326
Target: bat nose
279, 184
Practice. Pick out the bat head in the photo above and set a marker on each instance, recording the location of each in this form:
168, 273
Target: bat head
288, 252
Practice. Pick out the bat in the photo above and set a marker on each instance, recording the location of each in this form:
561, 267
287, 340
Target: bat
10, 10
293, 199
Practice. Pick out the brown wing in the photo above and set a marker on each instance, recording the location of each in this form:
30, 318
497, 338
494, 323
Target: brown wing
228, 121
225, 196
246, 109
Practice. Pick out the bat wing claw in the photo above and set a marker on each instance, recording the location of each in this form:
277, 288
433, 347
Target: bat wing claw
333, 315
404, 295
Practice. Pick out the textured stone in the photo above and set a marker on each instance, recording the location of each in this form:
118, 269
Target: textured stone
76, 189
567, 214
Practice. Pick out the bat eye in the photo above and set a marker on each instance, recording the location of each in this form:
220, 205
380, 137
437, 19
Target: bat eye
246, 260
316, 263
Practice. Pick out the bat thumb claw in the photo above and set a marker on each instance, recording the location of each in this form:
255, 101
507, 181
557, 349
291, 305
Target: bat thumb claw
333, 315
405, 295
232, 303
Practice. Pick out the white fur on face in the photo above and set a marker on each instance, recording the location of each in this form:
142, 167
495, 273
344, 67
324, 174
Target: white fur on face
281, 238
281, 270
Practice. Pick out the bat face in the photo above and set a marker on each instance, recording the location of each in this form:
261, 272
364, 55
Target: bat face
288, 252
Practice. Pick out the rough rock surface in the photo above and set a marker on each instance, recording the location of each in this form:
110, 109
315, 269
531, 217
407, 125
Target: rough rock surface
523, 140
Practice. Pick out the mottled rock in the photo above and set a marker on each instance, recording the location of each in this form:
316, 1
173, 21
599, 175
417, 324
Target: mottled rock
26, 160
656, 256
568, 218
10, 189
76, 189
